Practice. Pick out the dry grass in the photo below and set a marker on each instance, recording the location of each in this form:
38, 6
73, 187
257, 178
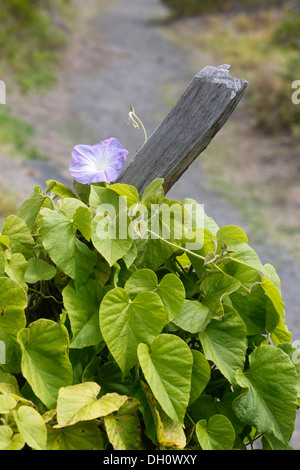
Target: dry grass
256, 170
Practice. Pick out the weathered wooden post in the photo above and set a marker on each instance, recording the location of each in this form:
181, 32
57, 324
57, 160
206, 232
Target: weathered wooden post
187, 130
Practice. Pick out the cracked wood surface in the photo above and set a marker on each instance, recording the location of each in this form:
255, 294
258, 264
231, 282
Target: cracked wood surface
187, 130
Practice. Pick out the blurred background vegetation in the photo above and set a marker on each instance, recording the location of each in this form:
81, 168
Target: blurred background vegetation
261, 41
33, 36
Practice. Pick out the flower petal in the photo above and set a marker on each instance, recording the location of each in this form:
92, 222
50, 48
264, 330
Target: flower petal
97, 163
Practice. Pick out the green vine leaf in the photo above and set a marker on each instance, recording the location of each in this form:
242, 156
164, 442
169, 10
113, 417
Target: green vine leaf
45, 363
123, 427
140, 320
19, 235
168, 370
70, 255
13, 301
224, 342
38, 270
79, 436
30, 208
82, 305
216, 434
136, 322
110, 224
9, 440
168, 433
194, 316
268, 400
31, 427
215, 288
170, 289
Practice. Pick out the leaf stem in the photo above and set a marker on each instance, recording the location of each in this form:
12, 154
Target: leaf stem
191, 420
51, 200
185, 250
136, 121
250, 442
45, 296
177, 246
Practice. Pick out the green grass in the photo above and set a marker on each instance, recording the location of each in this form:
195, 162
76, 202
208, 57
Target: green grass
15, 137
262, 43
264, 46
196, 7
33, 35
31, 39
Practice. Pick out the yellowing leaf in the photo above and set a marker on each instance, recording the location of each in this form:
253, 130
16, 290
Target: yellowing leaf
79, 403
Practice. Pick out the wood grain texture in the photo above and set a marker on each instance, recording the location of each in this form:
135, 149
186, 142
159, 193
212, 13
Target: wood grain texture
187, 129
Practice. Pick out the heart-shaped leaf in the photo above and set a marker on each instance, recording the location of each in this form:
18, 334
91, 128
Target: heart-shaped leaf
170, 289
20, 239
79, 436
80, 403
225, 343
216, 434
110, 224
194, 316
70, 255
45, 363
82, 305
269, 397
168, 371
39, 270
32, 427
125, 323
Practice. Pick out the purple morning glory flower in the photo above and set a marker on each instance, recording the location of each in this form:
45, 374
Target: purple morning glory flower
97, 163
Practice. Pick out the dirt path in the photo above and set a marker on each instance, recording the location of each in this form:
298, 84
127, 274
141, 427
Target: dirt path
119, 58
